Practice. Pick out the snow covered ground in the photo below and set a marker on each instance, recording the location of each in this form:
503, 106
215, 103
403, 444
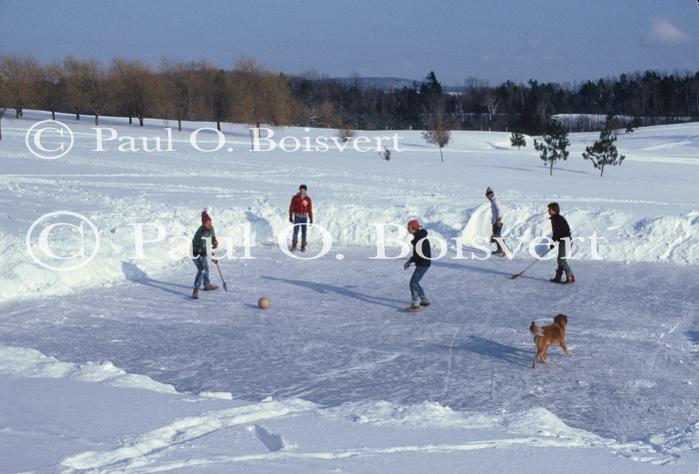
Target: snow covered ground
146, 429
334, 375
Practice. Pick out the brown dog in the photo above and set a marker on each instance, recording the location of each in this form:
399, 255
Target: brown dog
547, 335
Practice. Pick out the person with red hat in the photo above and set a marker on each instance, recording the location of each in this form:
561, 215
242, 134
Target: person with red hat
422, 259
200, 241
300, 214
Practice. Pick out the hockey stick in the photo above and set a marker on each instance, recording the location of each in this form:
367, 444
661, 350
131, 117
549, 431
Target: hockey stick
517, 275
225, 286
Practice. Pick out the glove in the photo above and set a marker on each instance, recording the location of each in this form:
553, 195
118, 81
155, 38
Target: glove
311, 221
552, 246
291, 220
406, 265
215, 260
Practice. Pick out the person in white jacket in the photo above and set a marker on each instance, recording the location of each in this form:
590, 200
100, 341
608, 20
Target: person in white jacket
496, 220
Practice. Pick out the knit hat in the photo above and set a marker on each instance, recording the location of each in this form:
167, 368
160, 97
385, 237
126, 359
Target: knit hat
414, 224
205, 217
489, 191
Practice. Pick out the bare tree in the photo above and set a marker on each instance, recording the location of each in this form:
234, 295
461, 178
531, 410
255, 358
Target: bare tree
179, 86
20, 74
491, 103
327, 117
4, 100
248, 77
75, 94
345, 133
125, 79
260, 96
137, 88
51, 87
438, 128
97, 88
219, 92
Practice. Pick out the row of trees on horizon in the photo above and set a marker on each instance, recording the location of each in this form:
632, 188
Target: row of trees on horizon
249, 93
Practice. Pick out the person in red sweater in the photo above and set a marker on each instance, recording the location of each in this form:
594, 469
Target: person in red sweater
300, 214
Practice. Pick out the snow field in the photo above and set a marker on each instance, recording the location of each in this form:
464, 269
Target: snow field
333, 375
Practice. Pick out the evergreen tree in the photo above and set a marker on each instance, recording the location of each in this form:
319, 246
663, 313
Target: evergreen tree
603, 152
432, 84
635, 123
430, 93
555, 144
517, 139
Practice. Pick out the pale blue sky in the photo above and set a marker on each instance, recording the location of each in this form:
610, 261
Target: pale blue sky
550, 40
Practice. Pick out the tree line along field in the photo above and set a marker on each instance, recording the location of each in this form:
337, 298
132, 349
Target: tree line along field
249, 93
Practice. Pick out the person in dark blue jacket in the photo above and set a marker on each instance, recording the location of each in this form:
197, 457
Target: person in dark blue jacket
422, 261
562, 236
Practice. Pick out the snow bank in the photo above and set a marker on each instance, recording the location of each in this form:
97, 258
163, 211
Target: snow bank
618, 236
185, 430
538, 424
536, 428
297, 432
639, 213
23, 362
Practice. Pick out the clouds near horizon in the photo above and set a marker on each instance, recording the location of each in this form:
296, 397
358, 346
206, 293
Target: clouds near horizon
663, 33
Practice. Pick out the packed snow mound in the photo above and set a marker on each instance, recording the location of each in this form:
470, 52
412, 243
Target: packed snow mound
294, 430
131, 452
217, 395
534, 428
23, 362
391, 414
533, 422
644, 211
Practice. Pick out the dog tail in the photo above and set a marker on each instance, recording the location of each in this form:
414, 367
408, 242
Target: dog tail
536, 330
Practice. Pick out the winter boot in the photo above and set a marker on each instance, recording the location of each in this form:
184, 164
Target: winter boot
303, 246
570, 280
294, 244
210, 287
195, 294
425, 303
557, 278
